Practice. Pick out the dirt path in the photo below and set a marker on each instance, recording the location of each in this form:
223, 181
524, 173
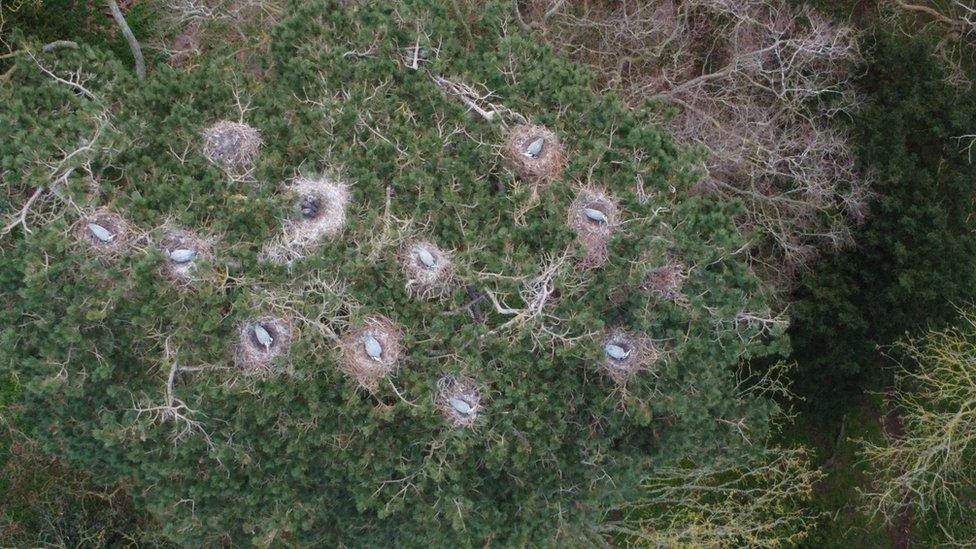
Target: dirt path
900, 532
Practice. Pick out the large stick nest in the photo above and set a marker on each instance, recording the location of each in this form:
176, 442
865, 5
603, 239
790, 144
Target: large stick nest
320, 209
422, 279
640, 352
176, 245
544, 166
120, 233
251, 355
594, 234
356, 361
665, 282
319, 212
459, 399
231, 144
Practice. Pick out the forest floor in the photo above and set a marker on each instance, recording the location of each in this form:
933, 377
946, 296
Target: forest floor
835, 450
894, 427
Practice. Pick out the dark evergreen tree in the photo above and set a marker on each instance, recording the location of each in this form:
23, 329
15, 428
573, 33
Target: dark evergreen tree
915, 259
130, 375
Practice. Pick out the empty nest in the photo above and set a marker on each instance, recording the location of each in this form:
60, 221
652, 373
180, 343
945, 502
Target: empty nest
535, 152
665, 282
459, 399
372, 351
231, 144
594, 216
260, 342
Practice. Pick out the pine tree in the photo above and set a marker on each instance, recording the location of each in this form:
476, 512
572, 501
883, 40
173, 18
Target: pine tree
135, 377
915, 257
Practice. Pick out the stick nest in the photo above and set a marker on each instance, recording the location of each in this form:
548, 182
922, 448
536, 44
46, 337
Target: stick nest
593, 235
231, 144
254, 358
641, 352
122, 232
424, 280
319, 211
453, 388
358, 364
665, 282
544, 167
175, 240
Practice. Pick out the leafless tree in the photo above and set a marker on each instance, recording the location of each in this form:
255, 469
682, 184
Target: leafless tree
756, 84
929, 466
757, 502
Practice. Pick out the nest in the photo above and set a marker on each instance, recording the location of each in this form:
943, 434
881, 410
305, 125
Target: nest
231, 144
319, 211
593, 234
175, 245
119, 231
544, 166
251, 355
665, 282
185, 46
458, 391
640, 352
356, 361
423, 279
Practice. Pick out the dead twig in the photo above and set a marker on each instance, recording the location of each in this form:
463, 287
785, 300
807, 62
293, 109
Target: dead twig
174, 409
75, 83
21, 218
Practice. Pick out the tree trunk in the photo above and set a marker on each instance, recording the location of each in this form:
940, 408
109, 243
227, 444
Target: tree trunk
133, 43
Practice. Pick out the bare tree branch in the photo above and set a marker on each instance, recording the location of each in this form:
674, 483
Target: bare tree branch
75, 82
21, 218
762, 110
927, 466
758, 502
130, 38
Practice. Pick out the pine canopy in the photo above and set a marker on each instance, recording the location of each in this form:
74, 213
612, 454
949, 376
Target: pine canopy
133, 375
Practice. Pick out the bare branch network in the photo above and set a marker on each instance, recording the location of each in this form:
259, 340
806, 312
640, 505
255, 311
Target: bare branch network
756, 87
172, 409
755, 503
928, 466
536, 294
956, 19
